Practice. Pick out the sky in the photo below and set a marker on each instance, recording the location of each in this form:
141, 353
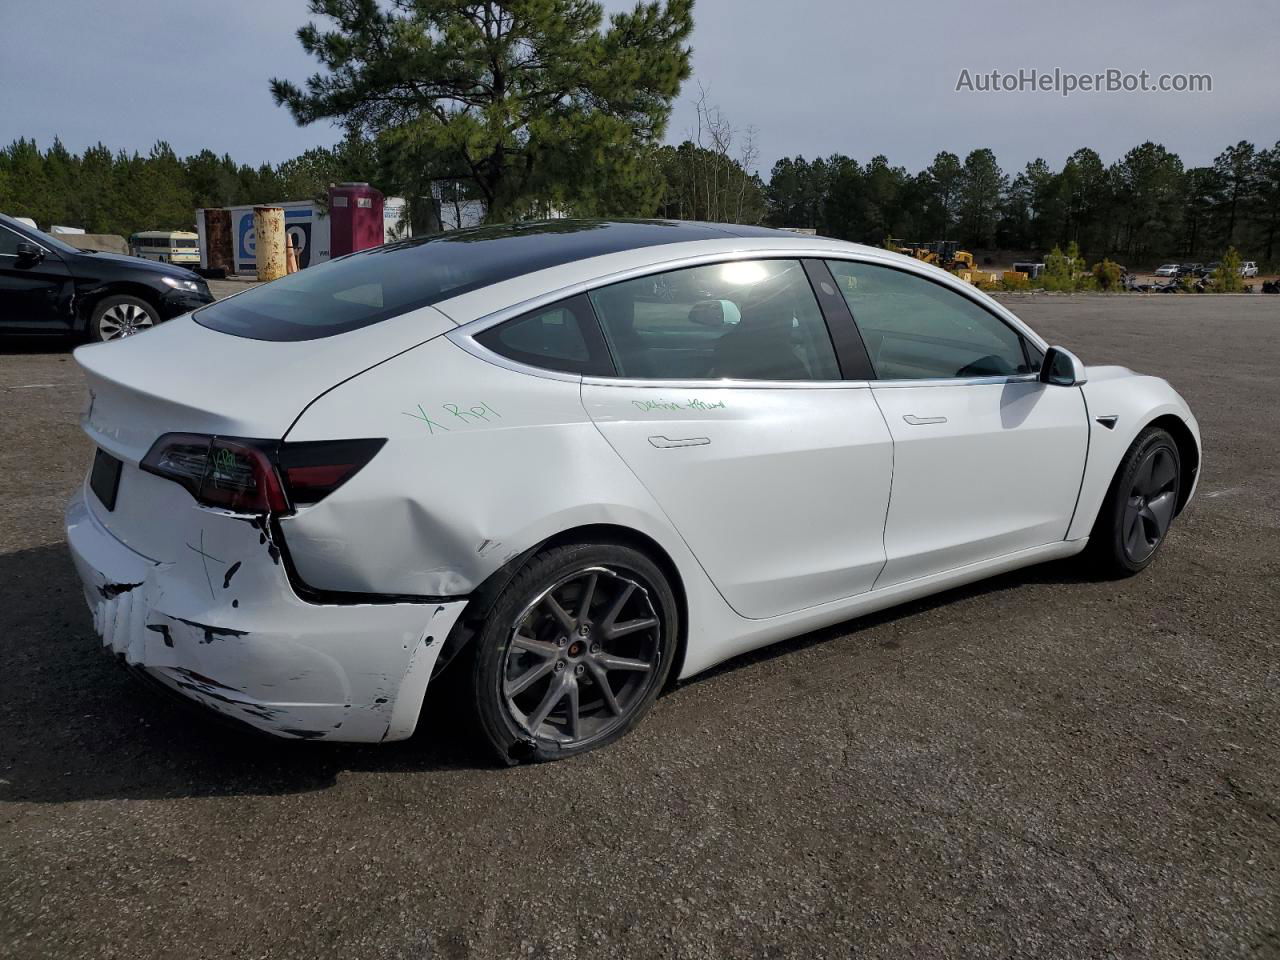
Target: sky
813, 77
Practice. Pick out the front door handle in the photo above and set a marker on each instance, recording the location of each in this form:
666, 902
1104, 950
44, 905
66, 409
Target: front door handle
922, 421
664, 443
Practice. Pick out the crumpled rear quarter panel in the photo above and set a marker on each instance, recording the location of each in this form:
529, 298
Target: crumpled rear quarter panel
480, 463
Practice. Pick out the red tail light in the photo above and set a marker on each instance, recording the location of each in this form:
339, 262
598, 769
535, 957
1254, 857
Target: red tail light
314, 469
256, 476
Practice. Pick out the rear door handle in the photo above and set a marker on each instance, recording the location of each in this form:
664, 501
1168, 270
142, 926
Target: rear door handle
922, 421
664, 443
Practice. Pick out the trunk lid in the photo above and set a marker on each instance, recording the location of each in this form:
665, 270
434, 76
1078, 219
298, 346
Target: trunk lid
184, 378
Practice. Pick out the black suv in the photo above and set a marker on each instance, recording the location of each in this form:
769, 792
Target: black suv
47, 287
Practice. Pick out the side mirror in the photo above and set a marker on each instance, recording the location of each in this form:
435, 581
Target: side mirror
1062, 368
30, 252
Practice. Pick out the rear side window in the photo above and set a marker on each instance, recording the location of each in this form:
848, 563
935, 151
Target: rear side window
562, 337
915, 329
742, 320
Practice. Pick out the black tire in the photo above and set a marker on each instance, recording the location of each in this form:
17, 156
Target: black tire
576, 652
1134, 519
120, 316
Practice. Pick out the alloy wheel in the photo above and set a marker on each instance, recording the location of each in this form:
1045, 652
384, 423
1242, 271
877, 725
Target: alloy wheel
1150, 505
582, 656
123, 320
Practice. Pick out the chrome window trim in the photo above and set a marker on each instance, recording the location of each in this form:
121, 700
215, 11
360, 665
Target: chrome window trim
464, 335
956, 381
481, 352
726, 384
481, 324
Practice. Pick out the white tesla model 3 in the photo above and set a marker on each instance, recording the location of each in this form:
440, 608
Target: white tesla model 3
577, 460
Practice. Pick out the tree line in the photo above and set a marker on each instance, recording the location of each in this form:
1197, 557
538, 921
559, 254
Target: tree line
549, 108
105, 191
1145, 205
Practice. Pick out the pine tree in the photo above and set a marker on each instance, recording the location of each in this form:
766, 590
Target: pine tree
524, 99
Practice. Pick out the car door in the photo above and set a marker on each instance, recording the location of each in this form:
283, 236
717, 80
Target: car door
987, 460
34, 291
729, 406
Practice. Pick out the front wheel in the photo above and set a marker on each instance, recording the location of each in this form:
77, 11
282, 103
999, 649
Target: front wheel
121, 316
574, 652
1140, 505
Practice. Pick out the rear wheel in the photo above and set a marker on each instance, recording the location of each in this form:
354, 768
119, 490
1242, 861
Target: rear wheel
574, 652
1140, 505
121, 316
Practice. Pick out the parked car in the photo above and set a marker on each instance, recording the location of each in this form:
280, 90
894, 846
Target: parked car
1210, 268
1248, 269
1190, 270
494, 458
1168, 270
50, 287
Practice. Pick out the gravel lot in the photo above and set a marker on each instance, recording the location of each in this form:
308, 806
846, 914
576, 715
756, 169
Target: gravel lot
1040, 765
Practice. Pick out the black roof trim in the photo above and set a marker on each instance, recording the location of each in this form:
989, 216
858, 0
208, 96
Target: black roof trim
746, 230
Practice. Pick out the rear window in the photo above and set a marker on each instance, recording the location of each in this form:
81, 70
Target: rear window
375, 285
563, 336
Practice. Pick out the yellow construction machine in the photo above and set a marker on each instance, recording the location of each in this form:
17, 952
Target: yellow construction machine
947, 255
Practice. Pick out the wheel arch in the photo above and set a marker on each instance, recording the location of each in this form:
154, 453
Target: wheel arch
1121, 405
126, 288
1188, 453
486, 594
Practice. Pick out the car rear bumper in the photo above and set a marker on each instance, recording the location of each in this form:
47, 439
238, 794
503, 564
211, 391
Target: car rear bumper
221, 626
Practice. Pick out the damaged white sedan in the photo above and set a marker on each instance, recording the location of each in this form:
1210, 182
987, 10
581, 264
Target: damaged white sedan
574, 461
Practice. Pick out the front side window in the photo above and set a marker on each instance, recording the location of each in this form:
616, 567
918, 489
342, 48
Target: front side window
563, 337
742, 320
915, 329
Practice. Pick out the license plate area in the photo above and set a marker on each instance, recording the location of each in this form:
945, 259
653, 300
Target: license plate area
104, 479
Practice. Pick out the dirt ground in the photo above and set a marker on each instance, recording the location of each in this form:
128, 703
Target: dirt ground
1040, 765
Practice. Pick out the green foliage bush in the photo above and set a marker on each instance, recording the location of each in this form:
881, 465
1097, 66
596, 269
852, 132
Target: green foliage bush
1064, 272
1227, 279
1106, 275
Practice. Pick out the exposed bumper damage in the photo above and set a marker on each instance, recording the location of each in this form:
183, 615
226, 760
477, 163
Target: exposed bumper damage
218, 623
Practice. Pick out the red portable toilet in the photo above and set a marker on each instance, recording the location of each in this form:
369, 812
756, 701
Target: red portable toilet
355, 218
